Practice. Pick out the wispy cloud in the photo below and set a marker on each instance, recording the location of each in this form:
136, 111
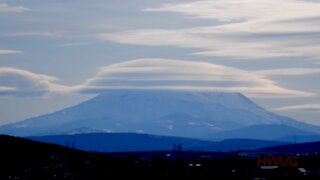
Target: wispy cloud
152, 74
302, 107
39, 34
289, 71
184, 75
5, 8
18, 82
5, 51
242, 10
71, 44
248, 29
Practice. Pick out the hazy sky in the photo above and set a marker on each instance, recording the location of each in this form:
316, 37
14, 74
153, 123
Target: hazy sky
54, 54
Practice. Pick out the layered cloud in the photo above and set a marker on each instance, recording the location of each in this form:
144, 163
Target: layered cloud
19, 82
72, 44
183, 75
33, 34
152, 74
289, 71
5, 8
302, 107
244, 29
6, 51
240, 10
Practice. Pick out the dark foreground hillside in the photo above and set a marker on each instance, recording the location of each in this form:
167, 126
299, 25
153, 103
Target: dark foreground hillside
26, 159
301, 148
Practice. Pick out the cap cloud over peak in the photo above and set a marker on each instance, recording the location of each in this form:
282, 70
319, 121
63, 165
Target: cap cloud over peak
150, 74
171, 74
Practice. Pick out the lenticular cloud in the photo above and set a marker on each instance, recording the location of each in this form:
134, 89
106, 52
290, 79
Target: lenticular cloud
183, 75
18, 82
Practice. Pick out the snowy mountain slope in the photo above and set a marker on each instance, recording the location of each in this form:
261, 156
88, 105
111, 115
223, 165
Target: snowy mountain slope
174, 113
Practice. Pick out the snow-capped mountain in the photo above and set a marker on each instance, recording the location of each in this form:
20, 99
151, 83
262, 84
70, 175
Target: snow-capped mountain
163, 112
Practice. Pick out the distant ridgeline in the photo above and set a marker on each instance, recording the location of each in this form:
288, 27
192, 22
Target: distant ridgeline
26, 159
193, 114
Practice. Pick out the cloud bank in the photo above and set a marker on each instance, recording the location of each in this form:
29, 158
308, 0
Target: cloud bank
303, 107
150, 74
289, 71
19, 82
184, 75
33, 34
243, 29
5, 51
5, 8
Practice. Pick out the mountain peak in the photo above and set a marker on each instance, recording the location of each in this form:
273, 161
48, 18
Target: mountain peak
163, 112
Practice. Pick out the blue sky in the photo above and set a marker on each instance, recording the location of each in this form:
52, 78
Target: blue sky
54, 54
